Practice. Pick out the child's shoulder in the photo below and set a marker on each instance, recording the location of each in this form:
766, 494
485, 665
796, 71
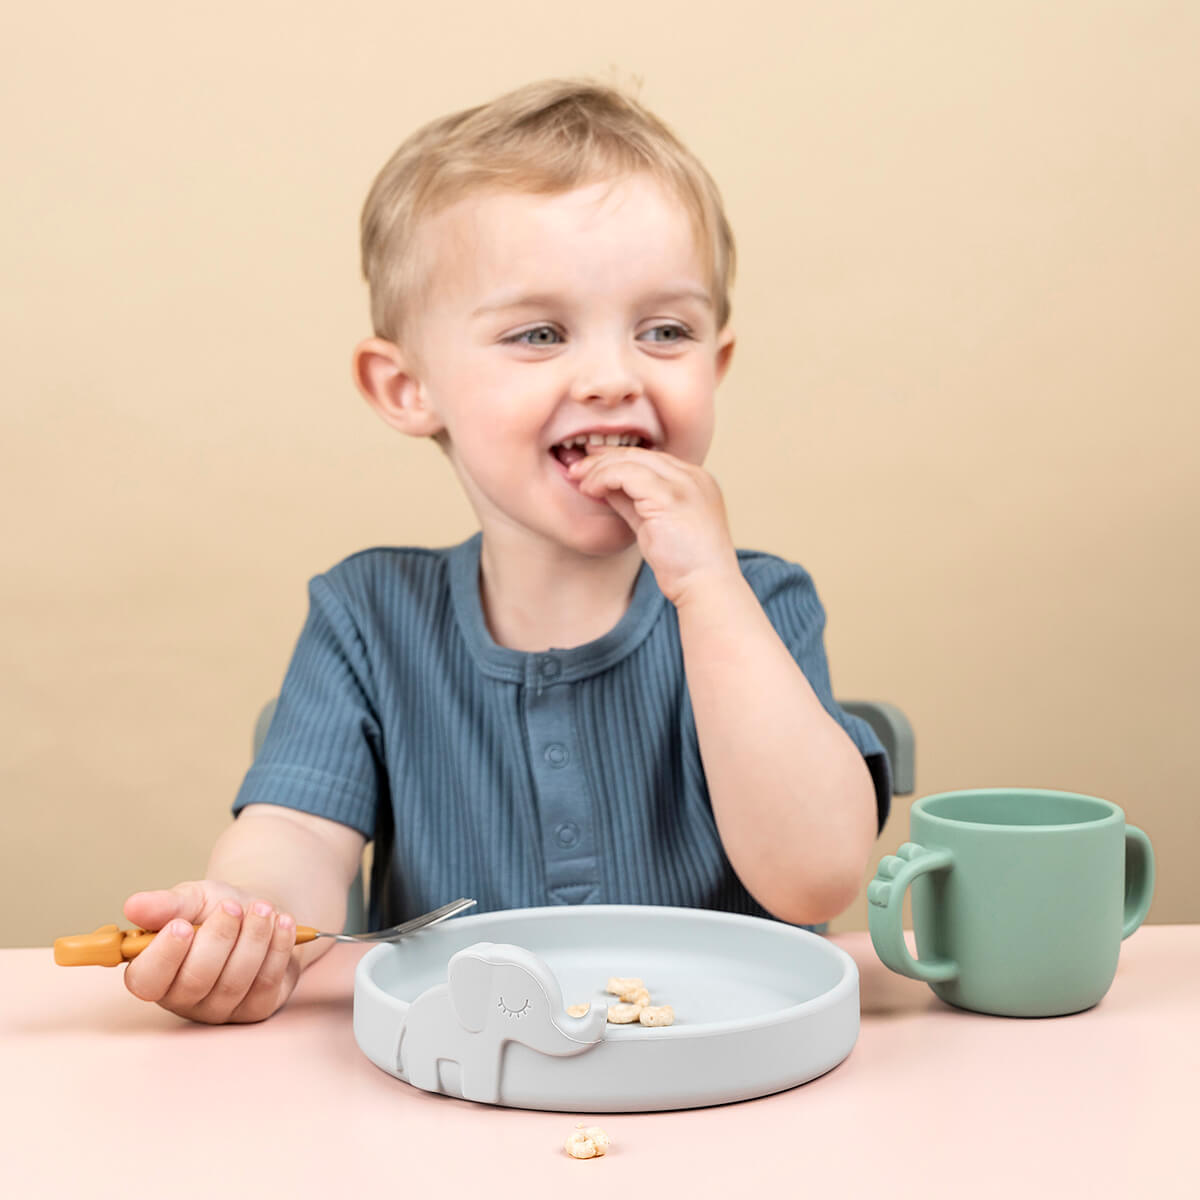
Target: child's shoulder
386, 570
786, 592
768, 573
390, 558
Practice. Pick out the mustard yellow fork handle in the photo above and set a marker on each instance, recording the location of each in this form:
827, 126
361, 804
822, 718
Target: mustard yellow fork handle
110, 946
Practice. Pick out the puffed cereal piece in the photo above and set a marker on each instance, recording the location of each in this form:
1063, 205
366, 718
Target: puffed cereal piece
598, 1136
639, 996
622, 986
591, 1142
656, 1017
578, 1010
624, 1014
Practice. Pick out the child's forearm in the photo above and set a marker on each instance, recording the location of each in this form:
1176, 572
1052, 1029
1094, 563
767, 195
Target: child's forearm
294, 861
792, 797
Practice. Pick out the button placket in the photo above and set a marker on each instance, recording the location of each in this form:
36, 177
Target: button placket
548, 669
564, 800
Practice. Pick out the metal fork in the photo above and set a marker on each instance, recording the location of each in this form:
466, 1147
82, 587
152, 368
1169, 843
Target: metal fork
305, 933
110, 946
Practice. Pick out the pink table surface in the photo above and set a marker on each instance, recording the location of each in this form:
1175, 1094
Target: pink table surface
103, 1095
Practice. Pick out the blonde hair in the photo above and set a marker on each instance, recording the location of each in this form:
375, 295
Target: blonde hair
544, 138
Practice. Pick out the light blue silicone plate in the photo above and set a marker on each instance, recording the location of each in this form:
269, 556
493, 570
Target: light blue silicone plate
759, 1007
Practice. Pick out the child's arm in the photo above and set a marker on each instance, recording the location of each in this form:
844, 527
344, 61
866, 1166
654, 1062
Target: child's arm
240, 964
792, 797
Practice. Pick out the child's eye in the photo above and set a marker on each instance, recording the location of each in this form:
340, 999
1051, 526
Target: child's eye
673, 334
539, 335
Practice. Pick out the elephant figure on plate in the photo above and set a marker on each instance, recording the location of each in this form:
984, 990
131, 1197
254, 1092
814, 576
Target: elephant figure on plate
494, 994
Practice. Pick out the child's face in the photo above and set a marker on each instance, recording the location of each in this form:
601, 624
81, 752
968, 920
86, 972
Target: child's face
553, 317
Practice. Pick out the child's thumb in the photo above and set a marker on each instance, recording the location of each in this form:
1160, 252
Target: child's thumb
152, 910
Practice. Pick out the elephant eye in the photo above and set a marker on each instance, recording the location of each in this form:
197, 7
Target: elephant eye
513, 1012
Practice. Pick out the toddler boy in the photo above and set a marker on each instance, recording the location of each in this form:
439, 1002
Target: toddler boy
595, 699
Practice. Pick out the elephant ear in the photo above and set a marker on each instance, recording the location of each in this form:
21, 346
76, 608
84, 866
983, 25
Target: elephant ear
469, 974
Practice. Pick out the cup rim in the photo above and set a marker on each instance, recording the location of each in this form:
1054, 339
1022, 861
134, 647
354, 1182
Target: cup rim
1114, 815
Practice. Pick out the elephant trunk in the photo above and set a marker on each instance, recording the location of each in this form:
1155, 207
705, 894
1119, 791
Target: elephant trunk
567, 1034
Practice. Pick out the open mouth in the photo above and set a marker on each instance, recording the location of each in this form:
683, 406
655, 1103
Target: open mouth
575, 448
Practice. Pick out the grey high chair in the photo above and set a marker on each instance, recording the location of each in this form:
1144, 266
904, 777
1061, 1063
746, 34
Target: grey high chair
891, 726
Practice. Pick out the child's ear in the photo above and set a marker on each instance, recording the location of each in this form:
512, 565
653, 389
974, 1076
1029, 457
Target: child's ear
384, 375
725, 344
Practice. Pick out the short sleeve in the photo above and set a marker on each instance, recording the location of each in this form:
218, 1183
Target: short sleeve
790, 600
323, 752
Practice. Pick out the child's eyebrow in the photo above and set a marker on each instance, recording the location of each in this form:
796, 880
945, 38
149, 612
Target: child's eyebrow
508, 300
516, 300
683, 293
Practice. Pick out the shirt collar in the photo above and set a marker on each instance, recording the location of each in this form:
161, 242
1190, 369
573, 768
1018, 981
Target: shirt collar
551, 666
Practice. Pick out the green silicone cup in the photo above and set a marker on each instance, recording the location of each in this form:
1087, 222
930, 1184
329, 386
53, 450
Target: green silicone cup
1020, 898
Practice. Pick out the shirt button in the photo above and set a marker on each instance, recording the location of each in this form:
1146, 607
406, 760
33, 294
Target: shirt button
567, 833
557, 754
549, 667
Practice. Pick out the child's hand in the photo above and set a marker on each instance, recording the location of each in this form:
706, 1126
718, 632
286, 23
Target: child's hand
674, 508
237, 966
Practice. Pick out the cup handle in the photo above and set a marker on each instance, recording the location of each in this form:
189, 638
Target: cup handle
1139, 878
885, 907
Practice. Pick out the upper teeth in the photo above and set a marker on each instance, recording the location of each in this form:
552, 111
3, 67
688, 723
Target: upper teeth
603, 439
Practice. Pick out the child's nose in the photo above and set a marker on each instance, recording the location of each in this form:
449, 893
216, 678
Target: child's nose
607, 379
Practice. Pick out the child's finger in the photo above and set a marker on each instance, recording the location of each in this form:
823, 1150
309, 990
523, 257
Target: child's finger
267, 991
151, 975
206, 959
242, 966
653, 462
625, 509
658, 461
152, 910
634, 478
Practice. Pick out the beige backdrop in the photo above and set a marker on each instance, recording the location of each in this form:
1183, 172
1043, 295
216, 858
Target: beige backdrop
965, 394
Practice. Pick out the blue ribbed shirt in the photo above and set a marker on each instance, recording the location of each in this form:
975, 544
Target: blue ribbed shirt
567, 777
